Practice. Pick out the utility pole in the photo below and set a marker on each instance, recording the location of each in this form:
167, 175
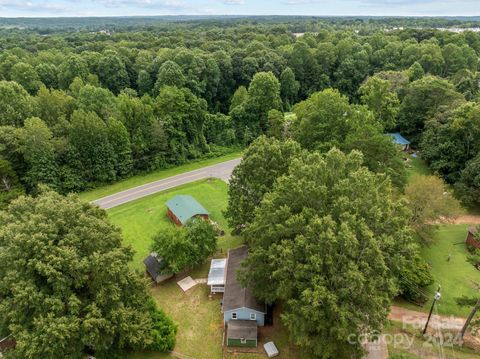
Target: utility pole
470, 317
435, 298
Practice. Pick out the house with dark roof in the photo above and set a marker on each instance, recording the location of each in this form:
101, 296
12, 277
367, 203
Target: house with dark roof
155, 268
182, 208
239, 304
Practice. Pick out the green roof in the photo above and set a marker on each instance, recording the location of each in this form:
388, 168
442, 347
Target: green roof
185, 207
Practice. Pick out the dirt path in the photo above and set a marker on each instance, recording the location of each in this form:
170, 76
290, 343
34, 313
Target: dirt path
470, 219
467, 219
418, 319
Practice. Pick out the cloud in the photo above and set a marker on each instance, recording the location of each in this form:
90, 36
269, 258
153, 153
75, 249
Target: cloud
32, 6
156, 4
234, 2
299, 2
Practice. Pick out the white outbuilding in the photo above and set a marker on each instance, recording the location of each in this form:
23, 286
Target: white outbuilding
216, 275
270, 349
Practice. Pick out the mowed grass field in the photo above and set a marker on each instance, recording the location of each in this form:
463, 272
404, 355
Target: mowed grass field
456, 277
200, 325
199, 319
141, 179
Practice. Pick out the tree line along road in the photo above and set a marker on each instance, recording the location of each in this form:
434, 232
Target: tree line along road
221, 170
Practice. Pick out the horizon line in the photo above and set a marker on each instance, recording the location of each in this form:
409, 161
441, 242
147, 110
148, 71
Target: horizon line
238, 15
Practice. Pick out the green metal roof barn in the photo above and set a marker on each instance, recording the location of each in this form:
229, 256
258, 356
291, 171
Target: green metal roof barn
181, 208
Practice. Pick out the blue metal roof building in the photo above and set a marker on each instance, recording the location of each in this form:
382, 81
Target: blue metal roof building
399, 139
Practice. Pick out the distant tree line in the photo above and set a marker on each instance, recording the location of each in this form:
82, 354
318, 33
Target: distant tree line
82, 108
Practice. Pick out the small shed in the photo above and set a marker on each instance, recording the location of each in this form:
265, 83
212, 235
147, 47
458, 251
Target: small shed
242, 333
155, 268
216, 275
472, 240
270, 349
181, 208
400, 140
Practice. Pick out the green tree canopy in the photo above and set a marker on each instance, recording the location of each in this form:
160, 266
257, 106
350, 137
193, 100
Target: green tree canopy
185, 247
424, 99
97, 99
252, 115
112, 72
182, 115
73, 66
54, 106
451, 140
265, 160
67, 288
238, 97
48, 74
147, 136
326, 119
10, 187
39, 154
381, 100
89, 137
118, 138
25, 75
328, 230
468, 185
289, 87
15, 104
429, 201
144, 82
169, 74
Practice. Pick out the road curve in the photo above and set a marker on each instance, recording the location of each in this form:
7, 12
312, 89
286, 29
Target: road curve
221, 170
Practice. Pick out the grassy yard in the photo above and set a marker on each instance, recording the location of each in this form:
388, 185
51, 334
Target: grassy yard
417, 167
456, 277
200, 327
140, 220
141, 179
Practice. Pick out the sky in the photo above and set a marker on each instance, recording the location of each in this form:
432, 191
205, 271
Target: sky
43, 8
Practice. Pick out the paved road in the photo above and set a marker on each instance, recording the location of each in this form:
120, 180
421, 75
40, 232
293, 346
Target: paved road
221, 170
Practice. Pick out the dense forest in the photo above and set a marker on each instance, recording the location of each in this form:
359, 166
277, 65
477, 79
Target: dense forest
84, 103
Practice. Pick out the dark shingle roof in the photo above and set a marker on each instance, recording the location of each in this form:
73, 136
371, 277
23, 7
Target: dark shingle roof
185, 207
235, 295
242, 329
154, 265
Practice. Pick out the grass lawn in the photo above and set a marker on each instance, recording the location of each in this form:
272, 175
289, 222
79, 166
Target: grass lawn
140, 220
200, 327
141, 179
417, 167
456, 277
